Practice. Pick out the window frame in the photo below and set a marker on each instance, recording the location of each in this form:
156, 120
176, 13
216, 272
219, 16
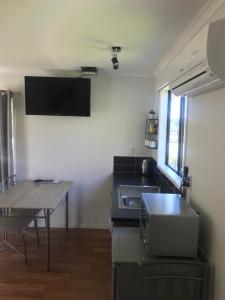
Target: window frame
162, 97
180, 158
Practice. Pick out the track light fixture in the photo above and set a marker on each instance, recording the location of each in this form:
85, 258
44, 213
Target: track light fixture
89, 71
114, 60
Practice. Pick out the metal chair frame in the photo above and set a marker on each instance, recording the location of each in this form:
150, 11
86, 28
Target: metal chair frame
9, 217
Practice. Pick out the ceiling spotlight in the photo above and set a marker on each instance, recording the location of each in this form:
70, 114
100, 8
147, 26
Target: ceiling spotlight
115, 63
114, 60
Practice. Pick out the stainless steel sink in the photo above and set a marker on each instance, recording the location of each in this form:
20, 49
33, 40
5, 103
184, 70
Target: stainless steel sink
129, 196
131, 202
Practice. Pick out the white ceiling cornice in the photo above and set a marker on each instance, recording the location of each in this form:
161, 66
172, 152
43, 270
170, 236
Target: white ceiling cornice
200, 20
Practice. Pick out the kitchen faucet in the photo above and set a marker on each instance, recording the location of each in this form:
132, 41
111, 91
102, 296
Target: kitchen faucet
185, 184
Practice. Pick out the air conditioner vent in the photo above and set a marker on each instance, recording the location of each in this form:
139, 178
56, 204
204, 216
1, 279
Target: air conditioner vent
192, 78
209, 74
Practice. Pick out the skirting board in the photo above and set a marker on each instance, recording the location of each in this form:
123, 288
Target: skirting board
85, 226
92, 226
72, 225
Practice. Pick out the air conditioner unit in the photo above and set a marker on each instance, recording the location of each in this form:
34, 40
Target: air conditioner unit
208, 72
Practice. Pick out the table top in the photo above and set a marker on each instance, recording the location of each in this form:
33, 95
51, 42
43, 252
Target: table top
31, 195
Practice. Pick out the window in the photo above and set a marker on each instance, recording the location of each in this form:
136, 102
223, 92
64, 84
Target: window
171, 142
175, 132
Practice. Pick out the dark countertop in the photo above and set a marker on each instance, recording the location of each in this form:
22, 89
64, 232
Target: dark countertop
129, 217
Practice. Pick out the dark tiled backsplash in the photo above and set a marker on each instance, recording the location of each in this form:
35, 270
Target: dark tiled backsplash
132, 165
165, 184
122, 168
128, 164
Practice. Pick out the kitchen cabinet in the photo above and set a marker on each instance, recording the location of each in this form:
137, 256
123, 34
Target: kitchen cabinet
137, 276
125, 260
174, 280
151, 133
126, 281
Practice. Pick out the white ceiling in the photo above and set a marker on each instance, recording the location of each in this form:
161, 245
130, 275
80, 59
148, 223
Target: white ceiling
67, 34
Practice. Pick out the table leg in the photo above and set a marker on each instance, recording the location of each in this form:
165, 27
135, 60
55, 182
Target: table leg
67, 211
48, 249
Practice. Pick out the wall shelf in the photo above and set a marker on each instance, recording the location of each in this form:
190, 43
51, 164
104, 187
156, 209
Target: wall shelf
151, 133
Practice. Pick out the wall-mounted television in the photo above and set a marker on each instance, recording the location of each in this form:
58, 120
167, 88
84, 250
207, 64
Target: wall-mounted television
57, 96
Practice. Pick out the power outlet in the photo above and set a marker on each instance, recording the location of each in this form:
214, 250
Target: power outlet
131, 151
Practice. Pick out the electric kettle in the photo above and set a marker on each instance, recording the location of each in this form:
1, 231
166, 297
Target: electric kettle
146, 167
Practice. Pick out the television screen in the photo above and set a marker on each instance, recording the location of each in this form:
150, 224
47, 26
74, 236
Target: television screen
57, 96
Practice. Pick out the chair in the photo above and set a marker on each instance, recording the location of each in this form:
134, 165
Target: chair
13, 220
29, 213
34, 213
14, 224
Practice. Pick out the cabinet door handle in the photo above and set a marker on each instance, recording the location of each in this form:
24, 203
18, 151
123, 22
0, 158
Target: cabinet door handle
141, 230
116, 282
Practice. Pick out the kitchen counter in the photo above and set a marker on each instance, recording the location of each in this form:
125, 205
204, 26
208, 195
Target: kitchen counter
120, 216
127, 170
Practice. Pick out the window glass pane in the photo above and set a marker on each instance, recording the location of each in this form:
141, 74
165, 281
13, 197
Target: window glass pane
173, 135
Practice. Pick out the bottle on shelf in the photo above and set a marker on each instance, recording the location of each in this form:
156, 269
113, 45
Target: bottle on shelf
151, 131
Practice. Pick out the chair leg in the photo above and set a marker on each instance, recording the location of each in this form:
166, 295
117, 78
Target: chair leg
36, 231
5, 235
25, 248
45, 217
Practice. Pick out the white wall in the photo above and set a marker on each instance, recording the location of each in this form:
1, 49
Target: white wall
205, 157
81, 149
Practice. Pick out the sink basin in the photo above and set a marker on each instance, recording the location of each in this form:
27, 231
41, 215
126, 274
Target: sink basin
131, 202
129, 196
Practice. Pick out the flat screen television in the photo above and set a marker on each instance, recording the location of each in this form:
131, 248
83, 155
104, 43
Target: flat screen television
57, 96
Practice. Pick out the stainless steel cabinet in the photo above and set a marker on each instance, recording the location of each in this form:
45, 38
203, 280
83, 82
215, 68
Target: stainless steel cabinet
126, 281
125, 259
174, 280
137, 276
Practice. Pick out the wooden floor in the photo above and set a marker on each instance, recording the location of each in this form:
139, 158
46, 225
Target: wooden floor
80, 269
